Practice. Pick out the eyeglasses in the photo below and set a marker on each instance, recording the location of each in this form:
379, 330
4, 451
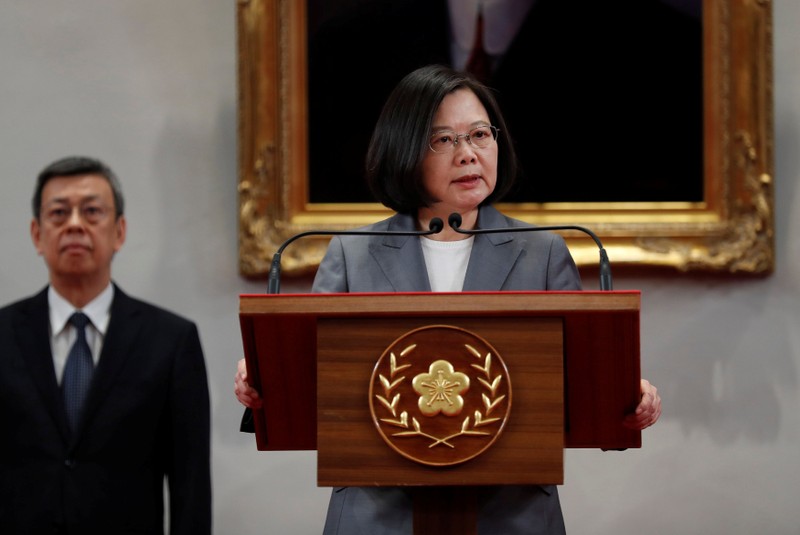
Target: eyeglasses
446, 140
90, 212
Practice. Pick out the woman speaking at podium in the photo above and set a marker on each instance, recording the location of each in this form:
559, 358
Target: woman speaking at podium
441, 147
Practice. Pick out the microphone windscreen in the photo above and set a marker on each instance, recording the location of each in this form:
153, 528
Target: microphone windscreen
436, 225
454, 220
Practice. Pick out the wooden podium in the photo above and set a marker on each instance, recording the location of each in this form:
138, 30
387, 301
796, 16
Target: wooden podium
563, 367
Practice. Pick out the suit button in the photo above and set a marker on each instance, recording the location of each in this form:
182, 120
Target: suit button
69, 463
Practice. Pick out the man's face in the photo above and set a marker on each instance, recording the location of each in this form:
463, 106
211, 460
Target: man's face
77, 232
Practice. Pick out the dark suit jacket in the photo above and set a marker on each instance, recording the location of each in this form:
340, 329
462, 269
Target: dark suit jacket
498, 262
603, 100
146, 417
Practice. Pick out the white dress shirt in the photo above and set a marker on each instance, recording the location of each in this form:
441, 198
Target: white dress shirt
63, 334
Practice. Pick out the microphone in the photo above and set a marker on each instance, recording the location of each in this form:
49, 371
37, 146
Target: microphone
274, 283
454, 220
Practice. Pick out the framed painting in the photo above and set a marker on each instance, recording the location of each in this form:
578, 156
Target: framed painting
668, 174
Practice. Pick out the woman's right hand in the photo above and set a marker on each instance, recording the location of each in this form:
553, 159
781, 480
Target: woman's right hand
246, 394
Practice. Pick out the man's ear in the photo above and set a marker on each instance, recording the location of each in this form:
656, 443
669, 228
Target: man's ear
36, 234
122, 229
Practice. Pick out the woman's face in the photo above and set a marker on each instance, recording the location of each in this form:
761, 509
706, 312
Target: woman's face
461, 178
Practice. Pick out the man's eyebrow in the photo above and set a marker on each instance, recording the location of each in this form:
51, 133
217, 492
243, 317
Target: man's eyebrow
64, 200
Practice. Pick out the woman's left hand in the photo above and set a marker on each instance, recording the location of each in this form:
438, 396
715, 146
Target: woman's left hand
648, 410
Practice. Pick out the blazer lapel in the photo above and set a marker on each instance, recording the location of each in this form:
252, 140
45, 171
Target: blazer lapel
493, 255
124, 327
400, 257
32, 334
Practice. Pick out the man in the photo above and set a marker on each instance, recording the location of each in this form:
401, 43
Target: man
92, 459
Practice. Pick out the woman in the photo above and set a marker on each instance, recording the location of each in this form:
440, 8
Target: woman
441, 146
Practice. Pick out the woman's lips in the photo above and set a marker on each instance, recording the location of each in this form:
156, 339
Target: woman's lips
467, 179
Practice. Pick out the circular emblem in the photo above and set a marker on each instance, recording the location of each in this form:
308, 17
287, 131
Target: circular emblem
440, 395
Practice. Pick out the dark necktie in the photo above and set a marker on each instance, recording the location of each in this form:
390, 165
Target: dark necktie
78, 371
479, 62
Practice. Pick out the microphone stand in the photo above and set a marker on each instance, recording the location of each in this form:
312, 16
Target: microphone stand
606, 283
274, 283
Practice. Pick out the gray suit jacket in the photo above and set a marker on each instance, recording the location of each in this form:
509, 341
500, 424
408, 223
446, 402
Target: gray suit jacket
498, 262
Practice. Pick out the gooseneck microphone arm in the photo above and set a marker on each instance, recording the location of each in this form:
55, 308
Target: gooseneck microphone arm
274, 284
605, 266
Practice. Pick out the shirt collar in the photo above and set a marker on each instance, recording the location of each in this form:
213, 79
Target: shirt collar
98, 309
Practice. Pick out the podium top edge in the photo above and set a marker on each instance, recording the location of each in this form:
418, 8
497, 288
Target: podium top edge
504, 292
441, 302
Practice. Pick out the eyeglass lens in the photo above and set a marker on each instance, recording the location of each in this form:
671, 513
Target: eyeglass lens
446, 140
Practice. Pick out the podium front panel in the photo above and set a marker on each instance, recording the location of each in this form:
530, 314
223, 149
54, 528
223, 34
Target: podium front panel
352, 452
600, 345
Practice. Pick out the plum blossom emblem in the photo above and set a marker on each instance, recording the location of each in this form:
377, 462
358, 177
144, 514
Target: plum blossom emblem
440, 389
440, 395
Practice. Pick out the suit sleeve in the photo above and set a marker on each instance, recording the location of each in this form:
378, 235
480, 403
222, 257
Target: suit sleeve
189, 472
332, 273
562, 273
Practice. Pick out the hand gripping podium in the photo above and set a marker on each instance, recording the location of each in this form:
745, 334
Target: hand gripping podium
443, 392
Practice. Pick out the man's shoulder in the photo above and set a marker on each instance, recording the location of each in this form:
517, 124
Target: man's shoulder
127, 303
24, 303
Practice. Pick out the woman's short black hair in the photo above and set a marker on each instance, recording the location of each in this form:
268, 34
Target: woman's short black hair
401, 137
76, 166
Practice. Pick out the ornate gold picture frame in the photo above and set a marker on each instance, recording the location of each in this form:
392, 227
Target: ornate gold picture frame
731, 230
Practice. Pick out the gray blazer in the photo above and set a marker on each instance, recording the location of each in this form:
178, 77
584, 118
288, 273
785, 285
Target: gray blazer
499, 262
502, 261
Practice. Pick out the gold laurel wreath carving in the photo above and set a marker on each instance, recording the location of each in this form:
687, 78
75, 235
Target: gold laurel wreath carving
490, 402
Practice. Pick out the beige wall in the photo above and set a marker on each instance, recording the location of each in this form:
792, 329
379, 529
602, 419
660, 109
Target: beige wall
150, 86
